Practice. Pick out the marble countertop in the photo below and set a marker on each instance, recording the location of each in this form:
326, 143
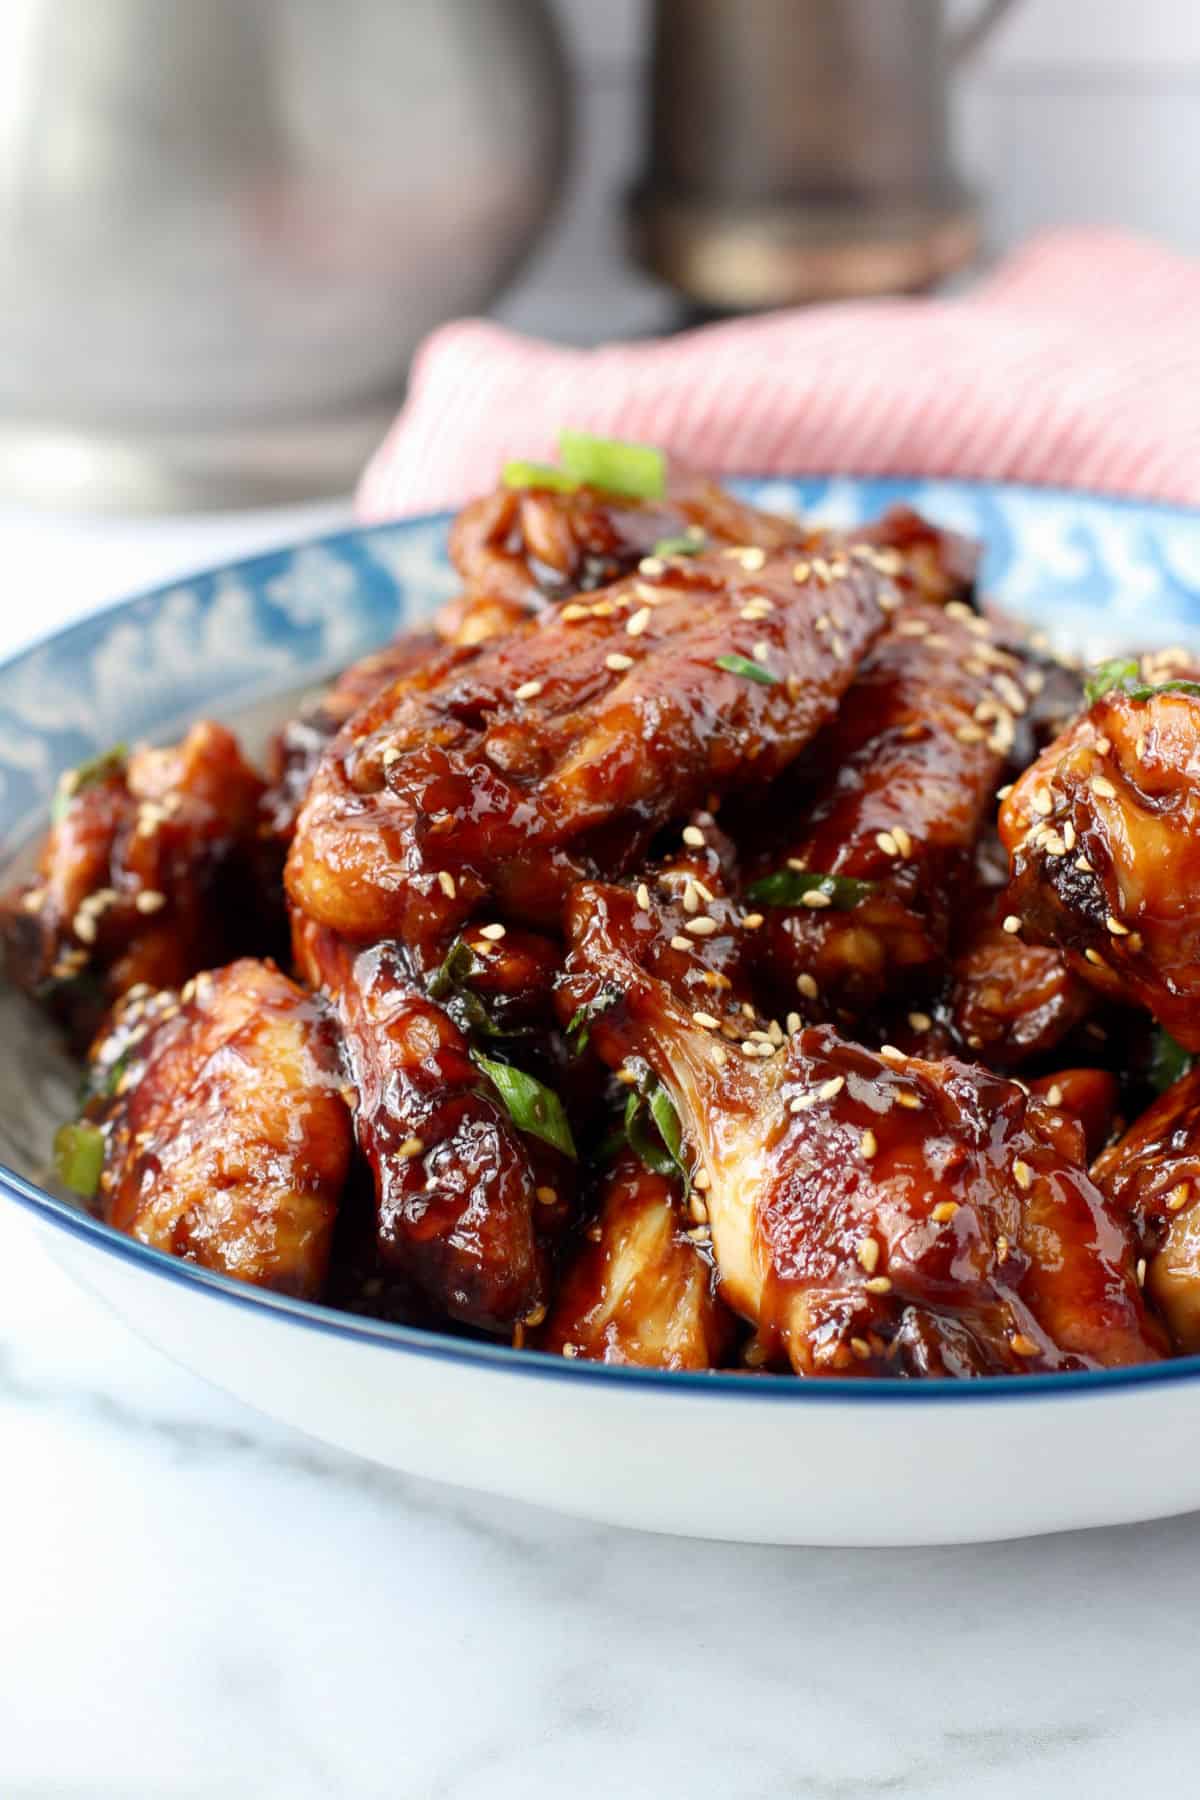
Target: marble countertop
194, 1601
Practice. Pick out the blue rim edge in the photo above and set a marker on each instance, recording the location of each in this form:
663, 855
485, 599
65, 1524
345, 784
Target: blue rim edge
500, 1357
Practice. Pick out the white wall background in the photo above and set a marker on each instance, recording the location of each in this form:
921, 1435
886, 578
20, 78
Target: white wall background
1082, 111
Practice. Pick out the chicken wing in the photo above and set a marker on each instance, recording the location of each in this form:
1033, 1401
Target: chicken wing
1152, 1177
457, 1185
151, 871
640, 1289
870, 1212
1103, 832
227, 1137
1010, 1001
569, 743
902, 781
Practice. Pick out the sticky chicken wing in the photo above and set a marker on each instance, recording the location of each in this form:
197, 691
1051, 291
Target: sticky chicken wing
872, 1213
150, 872
1152, 1177
901, 783
1009, 1000
569, 743
1103, 832
640, 1289
456, 1184
227, 1139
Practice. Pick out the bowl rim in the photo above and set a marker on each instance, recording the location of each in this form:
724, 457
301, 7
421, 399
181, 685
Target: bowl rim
499, 1356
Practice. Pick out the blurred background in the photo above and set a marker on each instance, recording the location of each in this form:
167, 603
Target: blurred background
227, 223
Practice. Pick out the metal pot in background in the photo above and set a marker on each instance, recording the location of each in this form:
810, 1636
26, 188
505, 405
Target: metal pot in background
799, 150
225, 224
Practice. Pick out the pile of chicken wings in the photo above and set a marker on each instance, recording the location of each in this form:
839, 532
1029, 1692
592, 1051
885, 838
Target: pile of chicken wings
712, 943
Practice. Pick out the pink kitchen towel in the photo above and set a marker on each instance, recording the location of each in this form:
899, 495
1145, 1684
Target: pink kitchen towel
1076, 362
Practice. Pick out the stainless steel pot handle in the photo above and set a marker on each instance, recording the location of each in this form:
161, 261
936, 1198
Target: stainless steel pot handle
967, 38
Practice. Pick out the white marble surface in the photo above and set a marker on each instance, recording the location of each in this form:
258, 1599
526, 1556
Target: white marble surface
195, 1602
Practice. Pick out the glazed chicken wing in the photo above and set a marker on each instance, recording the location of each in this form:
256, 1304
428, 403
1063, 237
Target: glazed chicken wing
869, 1212
1010, 1001
151, 871
457, 1186
1152, 1177
493, 781
1104, 836
517, 549
227, 1136
639, 1289
902, 781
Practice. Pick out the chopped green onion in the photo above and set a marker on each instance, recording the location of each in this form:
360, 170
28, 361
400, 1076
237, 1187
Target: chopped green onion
86, 775
1108, 675
689, 543
787, 887
578, 1030
742, 665
457, 967
1165, 687
450, 985
1168, 1061
636, 471
653, 1129
531, 1105
537, 475
79, 1157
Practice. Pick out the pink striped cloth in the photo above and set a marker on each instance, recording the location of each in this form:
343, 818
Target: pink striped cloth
1077, 362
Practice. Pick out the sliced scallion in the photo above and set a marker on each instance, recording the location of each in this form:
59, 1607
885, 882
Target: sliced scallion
636, 471
531, 1105
79, 1157
787, 887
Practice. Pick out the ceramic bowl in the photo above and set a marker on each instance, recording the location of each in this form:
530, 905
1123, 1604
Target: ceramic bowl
725, 1455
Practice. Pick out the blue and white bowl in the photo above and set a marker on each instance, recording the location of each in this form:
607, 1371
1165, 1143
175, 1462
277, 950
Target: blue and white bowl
724, 1455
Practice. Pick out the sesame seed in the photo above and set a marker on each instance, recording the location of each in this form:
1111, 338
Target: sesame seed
642, 896
693, 835
652, 565
1140, 1271
807, 986
493, 933
802, 1102
1177, 1199
1022, 1174
701, 927
528, 690
890, 1053
970, 734
447, 883
150, 901
1103, 788
618, 663
1002, 793
750, 556
816, 899
1115, 926
903, 840
1042, 802
793, 1023
920, 1021
889, 561
412, 1146
697, 1209
691, 899
801, 571
1054, 1095
680, 943
944, 1211
867, 1253
762, 651
1068, 836
887, 843
1012, 924
868, 1144
1001, 1247
718, 1055
706, 1020
547, 1196
829, 1090
820, 568
752, 921
1009, 692
1022, 1345
573, 612
861, 1348
1081, 862
639, 622
878, 1284
602, 609
1094, 956
570, 1351
84, 926
908, 1100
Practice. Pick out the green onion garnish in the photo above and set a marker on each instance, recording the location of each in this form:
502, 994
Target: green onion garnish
1121, 676
450, 984
787, 887
86, 775
1168, 1061
537, 475
636, 471
653, 1129
742, 665
579, 1030
531, 1105
689, 543
79, 1157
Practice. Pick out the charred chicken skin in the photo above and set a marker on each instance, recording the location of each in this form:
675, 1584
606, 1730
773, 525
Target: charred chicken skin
1104, 836
227, 1137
